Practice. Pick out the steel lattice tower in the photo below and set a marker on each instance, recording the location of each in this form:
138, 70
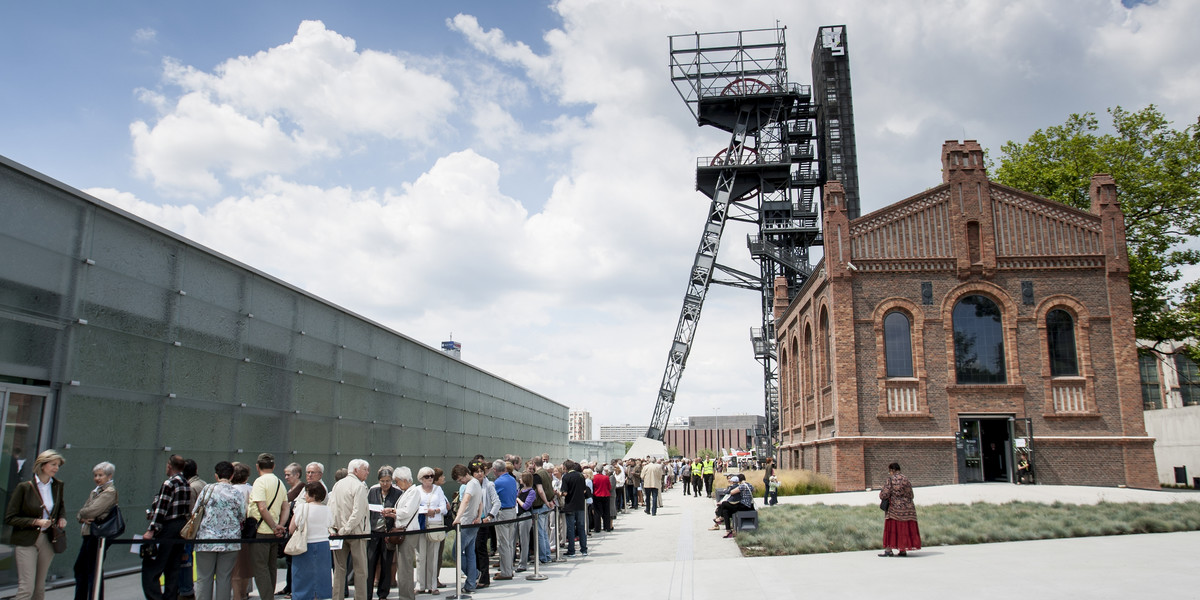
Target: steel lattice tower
770, 174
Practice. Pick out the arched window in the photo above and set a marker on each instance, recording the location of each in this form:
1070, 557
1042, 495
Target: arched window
810, 365
828, 347
897, 344
978, 341
1060, 337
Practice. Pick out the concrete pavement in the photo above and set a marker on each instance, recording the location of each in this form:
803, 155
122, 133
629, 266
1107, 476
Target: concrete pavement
674, 556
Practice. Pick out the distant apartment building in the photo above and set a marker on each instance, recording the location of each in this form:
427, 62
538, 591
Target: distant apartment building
622, 433
579, 425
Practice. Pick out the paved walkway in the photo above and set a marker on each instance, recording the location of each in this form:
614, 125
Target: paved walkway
674, 556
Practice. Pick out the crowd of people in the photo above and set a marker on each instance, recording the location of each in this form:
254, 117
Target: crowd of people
373, 536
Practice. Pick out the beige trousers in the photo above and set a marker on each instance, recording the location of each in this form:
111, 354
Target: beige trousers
33, 562
357, 549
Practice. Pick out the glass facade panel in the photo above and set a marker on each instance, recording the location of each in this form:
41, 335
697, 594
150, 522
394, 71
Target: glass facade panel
978, 341
897, 342
1151, 392
1060, 337
236, 379
198, 375
1189, 379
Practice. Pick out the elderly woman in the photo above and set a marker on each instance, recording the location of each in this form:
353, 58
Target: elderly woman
36, 506
244, 569
224, 509
379, 552
311, 579
900, 531
431, 515
407, 509
98, 507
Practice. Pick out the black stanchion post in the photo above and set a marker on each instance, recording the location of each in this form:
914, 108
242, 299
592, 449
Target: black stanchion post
99, 577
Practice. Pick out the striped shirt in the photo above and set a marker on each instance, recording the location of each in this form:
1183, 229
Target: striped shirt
174, 501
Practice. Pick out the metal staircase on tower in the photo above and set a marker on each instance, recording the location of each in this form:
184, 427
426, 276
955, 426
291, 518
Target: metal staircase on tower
769, 174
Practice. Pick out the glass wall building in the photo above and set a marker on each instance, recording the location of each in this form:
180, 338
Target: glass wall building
123, 342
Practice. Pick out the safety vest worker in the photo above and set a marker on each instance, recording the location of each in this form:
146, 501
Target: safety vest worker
697, 468
709, 466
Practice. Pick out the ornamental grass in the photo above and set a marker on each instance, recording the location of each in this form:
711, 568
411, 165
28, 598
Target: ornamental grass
792, 482
800, 529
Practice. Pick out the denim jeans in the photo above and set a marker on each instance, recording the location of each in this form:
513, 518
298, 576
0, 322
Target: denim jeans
543, 525
652, 500
466, 550
576, 529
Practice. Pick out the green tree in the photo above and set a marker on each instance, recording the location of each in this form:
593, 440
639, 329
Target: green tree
1157, 172
706, 453
673, 451
628, 445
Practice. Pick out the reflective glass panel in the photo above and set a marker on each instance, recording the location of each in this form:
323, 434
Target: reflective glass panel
978, 341
897, 343
1060, 337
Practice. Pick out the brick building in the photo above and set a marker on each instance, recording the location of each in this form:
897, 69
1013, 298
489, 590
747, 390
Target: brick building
959, 329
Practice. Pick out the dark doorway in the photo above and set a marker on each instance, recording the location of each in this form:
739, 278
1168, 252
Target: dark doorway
984, 448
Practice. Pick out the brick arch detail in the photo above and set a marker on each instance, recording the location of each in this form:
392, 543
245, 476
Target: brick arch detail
1012, 372
901, 386
1082, 386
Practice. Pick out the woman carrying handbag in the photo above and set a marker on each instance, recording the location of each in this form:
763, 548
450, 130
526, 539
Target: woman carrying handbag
99, 507
311, 579
35, 512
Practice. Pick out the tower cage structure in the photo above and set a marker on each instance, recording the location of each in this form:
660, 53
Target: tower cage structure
769, 175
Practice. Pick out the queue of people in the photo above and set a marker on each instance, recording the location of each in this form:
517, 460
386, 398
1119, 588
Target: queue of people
243, 523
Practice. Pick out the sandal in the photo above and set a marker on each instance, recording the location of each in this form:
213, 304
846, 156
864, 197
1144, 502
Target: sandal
714, 528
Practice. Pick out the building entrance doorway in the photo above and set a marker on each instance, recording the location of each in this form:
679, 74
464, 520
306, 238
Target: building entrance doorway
984, 446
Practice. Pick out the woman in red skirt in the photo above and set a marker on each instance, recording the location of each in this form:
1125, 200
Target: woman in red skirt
900, 529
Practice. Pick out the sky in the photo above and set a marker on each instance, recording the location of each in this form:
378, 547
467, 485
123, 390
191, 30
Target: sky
520, 175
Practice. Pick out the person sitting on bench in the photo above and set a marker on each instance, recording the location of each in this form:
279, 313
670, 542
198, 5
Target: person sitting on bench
739, 498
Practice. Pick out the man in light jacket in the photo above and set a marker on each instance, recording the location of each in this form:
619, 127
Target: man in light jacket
348, 516
652, 479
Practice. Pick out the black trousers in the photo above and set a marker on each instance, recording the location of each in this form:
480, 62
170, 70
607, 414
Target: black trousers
708, 483
379, 560
165, 564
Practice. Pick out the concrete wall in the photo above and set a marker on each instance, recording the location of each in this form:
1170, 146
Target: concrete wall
1177, 440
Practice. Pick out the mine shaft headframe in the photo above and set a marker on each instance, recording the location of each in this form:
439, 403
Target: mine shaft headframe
728, 63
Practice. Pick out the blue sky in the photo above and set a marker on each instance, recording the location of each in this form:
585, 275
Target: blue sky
521, 174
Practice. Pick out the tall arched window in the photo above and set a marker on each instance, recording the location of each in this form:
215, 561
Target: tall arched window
897, 344
978, 341
810, 365
828, 347
1060, 337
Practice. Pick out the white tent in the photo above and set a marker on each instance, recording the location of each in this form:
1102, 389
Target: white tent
644, 446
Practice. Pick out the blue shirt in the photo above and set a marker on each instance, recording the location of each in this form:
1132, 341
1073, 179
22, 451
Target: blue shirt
506, 488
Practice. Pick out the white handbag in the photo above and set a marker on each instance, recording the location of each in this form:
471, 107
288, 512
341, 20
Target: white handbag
298, 543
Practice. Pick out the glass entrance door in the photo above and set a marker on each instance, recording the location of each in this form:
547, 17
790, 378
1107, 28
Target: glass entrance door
985, 449
969, 444
21, 410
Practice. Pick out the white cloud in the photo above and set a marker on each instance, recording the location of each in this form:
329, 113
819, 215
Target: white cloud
575, 293
284, 108
145, 35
